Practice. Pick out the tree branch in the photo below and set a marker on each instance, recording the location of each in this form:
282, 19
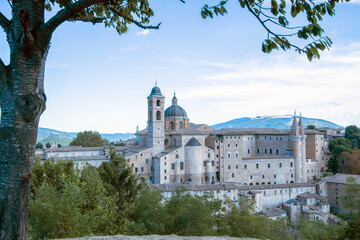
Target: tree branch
271, 32
93, 20
67, 13
139, 24
4, 23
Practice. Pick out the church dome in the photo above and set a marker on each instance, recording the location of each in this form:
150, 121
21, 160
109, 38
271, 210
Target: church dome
175, 110
155, 91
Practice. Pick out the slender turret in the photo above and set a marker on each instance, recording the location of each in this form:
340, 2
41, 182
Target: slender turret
296, 148
303, 150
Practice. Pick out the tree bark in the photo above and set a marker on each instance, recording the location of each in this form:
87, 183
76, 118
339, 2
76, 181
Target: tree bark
22, 100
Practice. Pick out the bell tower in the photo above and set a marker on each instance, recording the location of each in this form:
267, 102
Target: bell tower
156, 122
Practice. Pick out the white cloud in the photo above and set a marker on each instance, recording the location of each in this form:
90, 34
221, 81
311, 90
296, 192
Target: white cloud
144, 32
327, 88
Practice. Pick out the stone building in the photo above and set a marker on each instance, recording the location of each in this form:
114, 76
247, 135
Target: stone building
332, 188
173, 150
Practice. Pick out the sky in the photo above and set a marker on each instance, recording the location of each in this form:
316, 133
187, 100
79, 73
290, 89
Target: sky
97, 80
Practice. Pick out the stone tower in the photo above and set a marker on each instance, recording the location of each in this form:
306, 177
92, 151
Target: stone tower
296, 148
303, 149
156, 128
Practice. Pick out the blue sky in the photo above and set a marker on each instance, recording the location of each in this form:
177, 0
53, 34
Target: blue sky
98, 80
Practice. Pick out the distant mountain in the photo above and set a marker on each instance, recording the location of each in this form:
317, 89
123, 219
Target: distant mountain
277, 121
48, 135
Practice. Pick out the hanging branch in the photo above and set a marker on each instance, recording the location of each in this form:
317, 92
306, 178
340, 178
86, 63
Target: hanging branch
137, 23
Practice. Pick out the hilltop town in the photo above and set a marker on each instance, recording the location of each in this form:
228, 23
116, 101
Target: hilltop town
280, 171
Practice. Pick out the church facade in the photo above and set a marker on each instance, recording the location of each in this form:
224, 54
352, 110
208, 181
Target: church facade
173, 150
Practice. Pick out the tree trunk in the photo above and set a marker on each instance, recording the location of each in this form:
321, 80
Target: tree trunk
22, 102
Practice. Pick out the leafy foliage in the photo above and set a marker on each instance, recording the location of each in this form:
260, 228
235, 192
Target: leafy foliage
352, 133
345, 155
351, 201
65, 203
39, 145
89, 139
313, 127
336, 147
274, 14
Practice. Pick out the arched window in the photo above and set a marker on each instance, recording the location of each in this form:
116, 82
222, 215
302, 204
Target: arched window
171, 125
207, 179
158, 115
180, 124
158, 103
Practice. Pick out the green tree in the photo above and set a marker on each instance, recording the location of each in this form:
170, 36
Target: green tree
241, 222
59, 145
351, 201
352, 133
311, 127
89, 139
39, 145
336, 147
149, 215
314, 230
65, 203
48, 145
191, 215
124, 185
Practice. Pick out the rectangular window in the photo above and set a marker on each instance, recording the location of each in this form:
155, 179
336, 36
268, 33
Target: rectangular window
258, 150
232, 175
277, 151
269, 165
177, 156
142, 169
291, 164
229, 167
248, 150
270, 150
172, 166
265, 150
212, 163
229, 155
208, 155
237, 167
280, 164
204, 163
257, 165
181, 165
245, 166
136, 169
